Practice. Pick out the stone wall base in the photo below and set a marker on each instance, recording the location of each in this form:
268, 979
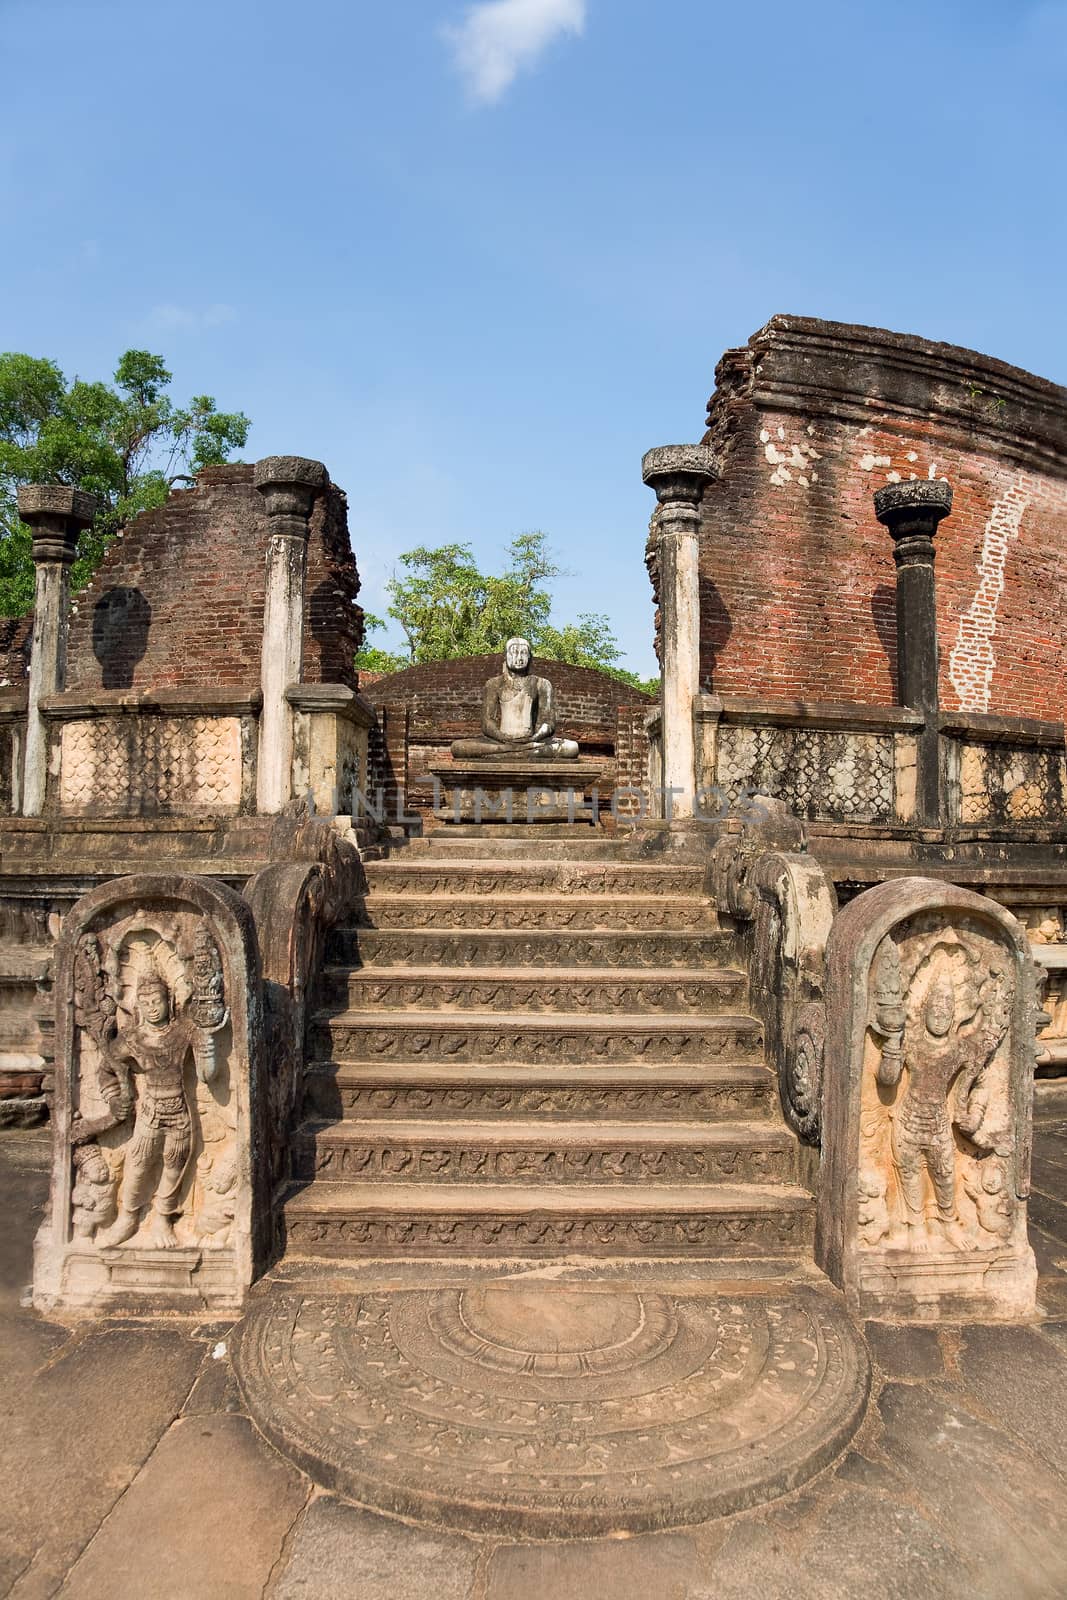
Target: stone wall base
187, 1279
945, 1286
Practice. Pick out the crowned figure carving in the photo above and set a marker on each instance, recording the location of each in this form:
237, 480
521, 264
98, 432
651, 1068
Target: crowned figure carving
141, 1052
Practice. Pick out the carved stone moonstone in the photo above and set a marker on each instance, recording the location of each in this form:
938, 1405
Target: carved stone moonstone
518, 715
932, 1013
554, 1412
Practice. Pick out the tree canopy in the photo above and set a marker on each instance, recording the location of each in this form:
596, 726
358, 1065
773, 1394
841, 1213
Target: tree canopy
126, 441
447, 606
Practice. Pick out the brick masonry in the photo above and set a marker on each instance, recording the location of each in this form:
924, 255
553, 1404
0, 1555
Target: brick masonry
178, 600
798, 582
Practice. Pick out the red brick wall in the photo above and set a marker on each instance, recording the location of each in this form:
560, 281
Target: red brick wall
182, 593
797, 575
16, 637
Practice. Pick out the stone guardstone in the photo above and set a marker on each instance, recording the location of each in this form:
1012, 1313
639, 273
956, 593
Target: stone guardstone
931, 1005
554, 1412
158, 1102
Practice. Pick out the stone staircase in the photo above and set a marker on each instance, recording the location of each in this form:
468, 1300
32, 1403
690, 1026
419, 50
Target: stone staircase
535, 1045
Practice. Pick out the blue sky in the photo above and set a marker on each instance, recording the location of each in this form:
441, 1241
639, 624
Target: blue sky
478, 258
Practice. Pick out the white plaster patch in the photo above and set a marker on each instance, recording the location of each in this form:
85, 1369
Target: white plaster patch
869, 462
973, 660
789, 459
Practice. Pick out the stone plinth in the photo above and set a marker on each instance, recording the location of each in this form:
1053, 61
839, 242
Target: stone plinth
517, 789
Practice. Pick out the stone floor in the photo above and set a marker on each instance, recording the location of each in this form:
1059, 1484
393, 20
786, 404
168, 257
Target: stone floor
131, 1469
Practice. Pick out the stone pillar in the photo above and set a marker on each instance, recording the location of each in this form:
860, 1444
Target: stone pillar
55, 515
288, 485
679, 473
911, 511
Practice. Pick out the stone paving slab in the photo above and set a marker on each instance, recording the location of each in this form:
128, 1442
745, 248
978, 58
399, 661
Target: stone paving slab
75, 1435
339, 1551
205, 1519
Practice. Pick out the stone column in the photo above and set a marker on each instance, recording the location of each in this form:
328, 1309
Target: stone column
288, 485
679, 473
911, 511
55, 515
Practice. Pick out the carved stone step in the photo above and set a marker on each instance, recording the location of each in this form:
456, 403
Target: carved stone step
546, 1152
562, 1039
521, 948
551, 989
443, 847
579, 913
705, 1220
409, 1090
531, 877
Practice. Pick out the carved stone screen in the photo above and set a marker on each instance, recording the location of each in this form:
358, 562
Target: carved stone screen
137, 766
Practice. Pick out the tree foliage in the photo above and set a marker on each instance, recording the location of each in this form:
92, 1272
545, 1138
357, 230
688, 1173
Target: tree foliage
126, 442
447, 606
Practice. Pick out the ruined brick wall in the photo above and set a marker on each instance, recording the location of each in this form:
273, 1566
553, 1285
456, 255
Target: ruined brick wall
422, 709
178, 600
798, 581
16, 637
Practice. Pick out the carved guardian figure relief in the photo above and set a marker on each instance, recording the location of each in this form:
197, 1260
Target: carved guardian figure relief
159, 1061
927, 1106
935, 1125
151, 1121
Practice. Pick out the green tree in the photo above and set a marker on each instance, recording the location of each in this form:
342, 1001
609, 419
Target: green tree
446, 607
369, 658
126, 442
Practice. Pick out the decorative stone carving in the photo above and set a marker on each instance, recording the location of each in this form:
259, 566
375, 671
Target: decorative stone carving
518, 715
554, 1412
785, 903
538, 1040
158, 1093
819, 773
149, 765
396, 947
927, 1102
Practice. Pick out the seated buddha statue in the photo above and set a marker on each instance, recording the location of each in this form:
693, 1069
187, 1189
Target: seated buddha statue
518, 715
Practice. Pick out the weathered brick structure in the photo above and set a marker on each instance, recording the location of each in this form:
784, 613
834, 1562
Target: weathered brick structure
549, 1040
797, 580
178, 601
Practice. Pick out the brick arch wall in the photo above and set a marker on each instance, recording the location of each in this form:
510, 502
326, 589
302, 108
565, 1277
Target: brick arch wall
191, 577
797, 576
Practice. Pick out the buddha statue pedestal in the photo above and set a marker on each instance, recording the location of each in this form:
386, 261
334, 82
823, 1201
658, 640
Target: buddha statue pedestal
514, 788
520, 770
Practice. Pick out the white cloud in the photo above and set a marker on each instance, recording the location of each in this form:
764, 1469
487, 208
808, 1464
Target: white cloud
495, 41
171, 318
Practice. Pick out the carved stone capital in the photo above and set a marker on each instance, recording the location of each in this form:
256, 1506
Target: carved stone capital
912, 511
288, 485
56, 513
679, 472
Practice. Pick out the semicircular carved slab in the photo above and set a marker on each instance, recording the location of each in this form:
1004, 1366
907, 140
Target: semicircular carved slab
561, 1412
